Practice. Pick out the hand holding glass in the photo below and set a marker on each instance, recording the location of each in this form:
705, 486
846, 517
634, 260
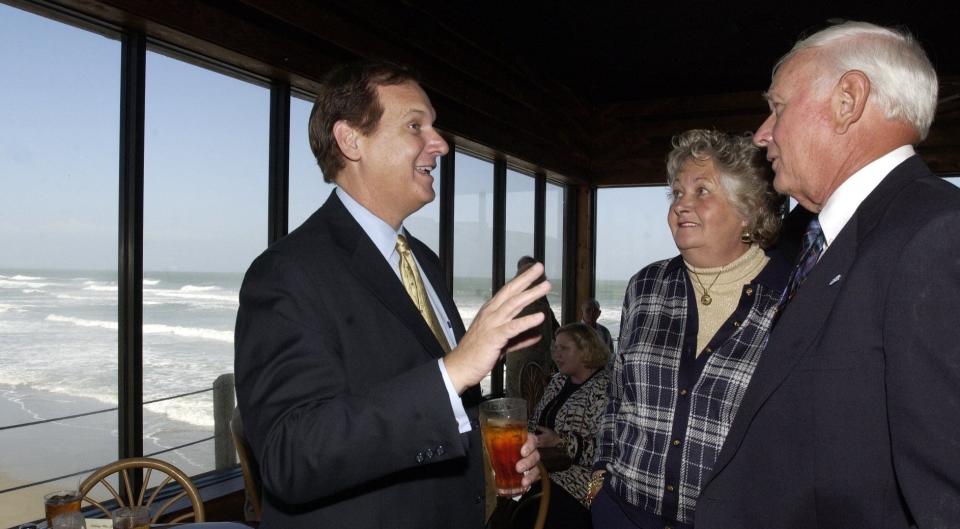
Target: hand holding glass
503, 423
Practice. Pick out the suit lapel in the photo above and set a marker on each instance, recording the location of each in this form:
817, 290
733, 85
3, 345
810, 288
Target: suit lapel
366, 262
803, 320
794, 335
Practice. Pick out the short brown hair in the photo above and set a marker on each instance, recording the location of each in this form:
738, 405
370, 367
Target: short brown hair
593, 352
349, 93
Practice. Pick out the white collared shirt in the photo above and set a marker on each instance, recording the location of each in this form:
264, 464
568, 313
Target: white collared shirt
384, 237
842, 204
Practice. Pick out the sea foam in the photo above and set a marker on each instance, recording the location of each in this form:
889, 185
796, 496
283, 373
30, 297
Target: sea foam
14, 283
150, 328
80, 322
189, 332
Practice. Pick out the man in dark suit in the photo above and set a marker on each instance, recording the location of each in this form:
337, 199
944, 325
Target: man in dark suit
355, 379
852, 419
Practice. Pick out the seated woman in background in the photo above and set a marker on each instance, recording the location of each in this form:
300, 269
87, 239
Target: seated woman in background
568, 417
693, 329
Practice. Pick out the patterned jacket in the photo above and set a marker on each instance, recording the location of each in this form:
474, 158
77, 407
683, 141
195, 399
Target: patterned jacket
577, 423
669, 410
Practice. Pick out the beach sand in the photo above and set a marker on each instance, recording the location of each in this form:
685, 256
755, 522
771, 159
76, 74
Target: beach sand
23, 459
44, 451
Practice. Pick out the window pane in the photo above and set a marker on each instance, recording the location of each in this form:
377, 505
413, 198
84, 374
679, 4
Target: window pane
632, 232
424, 224
308, 191
59, 120
205, 219
473, 238
473, 235
520, 203
553, 246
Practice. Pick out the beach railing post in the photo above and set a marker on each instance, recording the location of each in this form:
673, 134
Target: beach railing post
225, 455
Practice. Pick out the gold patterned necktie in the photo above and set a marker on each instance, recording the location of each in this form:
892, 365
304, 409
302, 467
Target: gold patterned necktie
414, 286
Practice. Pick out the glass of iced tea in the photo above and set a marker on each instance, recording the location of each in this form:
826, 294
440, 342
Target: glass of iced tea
60, 502
503, 424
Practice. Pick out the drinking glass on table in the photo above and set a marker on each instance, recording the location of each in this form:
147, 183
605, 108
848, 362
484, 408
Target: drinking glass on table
60, 502
137, 517
69, 520
503, 424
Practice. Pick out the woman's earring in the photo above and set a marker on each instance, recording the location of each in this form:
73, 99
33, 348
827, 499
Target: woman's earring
746, 238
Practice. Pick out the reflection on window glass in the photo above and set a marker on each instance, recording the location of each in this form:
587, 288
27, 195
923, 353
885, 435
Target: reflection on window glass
520, 206
632, 232
307, 190
553, 246
205, 189
59, 121
472, 235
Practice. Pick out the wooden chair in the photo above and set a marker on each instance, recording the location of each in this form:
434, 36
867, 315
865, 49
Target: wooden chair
248, 463
533, 380
543, 497
121, 469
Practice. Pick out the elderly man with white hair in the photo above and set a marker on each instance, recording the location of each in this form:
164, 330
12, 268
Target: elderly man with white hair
852, 418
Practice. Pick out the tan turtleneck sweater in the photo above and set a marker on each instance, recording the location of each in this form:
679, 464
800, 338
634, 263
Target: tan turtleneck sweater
724, 285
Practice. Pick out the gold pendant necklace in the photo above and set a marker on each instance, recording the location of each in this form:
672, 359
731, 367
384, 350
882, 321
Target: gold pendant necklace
705, 298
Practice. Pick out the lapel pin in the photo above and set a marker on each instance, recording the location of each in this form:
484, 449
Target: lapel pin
834, 280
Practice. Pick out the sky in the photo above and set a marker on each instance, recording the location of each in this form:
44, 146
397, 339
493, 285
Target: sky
205, 172
205, 168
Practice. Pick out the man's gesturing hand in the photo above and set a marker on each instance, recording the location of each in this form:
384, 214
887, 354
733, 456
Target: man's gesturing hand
494, 329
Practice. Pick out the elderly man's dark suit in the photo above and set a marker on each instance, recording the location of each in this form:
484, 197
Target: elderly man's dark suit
340, 391
852, 419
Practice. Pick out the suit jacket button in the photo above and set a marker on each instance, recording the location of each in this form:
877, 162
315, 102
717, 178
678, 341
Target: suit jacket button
441, 450
429, 453
477, 499
419, 457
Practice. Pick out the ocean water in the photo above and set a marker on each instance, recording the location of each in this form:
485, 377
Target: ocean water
58, 356
58, 348
58, 333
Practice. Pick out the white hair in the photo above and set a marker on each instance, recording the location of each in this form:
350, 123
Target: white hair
902, 79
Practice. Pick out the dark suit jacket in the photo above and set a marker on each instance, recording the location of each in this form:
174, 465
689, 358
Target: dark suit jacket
340, 392
852, 419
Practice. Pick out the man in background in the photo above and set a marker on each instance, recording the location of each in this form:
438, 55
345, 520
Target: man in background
590, 311
538, 353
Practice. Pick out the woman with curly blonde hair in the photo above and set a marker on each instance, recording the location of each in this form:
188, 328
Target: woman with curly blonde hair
692, 331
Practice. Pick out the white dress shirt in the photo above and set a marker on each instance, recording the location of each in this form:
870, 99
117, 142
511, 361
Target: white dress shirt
842, 204
384, 237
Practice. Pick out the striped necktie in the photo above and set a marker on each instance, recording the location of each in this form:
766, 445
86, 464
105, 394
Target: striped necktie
813, 245
410, 277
